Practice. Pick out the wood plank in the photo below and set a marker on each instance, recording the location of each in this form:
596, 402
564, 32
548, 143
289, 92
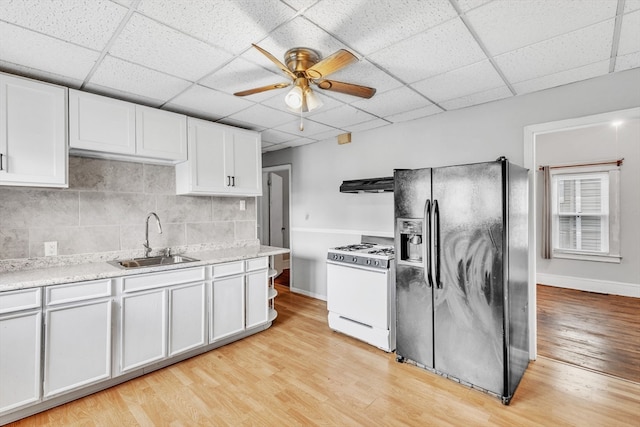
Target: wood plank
299, 372
595, 331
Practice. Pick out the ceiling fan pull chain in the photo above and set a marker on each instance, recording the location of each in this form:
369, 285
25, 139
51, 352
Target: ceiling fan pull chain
301, 124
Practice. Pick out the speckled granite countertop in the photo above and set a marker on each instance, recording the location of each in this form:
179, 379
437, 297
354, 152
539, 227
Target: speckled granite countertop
14, 280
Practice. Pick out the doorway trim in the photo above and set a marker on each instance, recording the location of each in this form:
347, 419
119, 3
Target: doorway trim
281, 168
530, 133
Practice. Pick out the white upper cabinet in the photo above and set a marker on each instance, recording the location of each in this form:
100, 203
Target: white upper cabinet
101, 124
104, 127
33, 133
223, 160
161, 134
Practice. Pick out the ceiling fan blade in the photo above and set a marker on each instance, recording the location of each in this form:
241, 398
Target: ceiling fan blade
348, 88
331, 64
276, 61
262, 89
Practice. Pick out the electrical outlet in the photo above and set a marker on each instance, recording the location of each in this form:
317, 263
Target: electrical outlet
243, 205
50, 248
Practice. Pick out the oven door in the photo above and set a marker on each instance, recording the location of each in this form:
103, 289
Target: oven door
359, 294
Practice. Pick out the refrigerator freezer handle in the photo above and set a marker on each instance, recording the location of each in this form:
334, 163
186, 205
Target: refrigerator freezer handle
426, 242
436, 244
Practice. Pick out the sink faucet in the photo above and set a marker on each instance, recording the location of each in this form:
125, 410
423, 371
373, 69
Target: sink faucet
147, 248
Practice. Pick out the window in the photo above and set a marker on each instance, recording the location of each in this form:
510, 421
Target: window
585, 213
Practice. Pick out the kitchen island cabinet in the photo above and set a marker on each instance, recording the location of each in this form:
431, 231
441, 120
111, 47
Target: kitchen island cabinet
20, 346
33, 133
77, 335
222, 160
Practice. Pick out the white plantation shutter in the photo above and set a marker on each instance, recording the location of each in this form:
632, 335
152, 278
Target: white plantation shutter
580, 212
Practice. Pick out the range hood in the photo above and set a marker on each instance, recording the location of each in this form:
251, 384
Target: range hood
369, 185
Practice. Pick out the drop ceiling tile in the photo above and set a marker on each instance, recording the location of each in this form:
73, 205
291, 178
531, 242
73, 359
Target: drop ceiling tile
342, 116
262, 116
462, 81
367, 25
504, 26
562, 78
276, 137
209, 102
626, 62
89, 23
364, 73
231, 25
630, 34
392, 102
126, 96
128, 77
415, 114
34, 50
153, 45
467, 5
330, 134
241, 124
9, 67
311, 128
273, 147
371, 124
296, 33
477, 98
631, 5
298, 142
446, 47
302, 4
240, 75
565, 52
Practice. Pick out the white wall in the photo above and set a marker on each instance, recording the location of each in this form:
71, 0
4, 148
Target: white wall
480, 133
584, 145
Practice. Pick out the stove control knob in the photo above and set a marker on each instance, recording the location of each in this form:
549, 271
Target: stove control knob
368, 262
341, 257
377, 263
354, 259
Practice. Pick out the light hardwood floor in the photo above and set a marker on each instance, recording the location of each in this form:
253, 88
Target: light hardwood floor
299, 373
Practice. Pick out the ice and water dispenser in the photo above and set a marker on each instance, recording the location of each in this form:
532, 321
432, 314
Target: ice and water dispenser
411, 241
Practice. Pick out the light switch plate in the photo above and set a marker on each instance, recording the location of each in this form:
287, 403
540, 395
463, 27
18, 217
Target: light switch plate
243, 205
50, 248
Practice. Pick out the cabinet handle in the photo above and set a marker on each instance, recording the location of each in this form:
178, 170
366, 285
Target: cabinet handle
233, 181
1, 161
228, 181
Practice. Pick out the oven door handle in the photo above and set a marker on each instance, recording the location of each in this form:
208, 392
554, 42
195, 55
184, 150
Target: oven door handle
426, 242
381, 270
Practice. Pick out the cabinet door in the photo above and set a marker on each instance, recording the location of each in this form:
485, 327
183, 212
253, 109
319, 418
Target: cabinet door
257, 300
247, 162
143, 329
161, 134
98, 123
33, 143
227, 307
19, 359
186, 317
77, 346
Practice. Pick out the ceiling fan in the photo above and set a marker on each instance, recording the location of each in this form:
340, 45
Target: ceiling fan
304, 67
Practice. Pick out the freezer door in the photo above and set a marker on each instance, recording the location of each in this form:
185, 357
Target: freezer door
468, 297
414, 296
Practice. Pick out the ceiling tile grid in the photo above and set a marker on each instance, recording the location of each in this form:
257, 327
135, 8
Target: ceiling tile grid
191, 56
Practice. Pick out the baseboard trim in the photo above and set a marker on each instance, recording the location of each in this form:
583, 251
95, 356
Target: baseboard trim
590, 285
307, 293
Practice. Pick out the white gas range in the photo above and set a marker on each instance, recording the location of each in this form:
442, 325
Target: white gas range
361, 293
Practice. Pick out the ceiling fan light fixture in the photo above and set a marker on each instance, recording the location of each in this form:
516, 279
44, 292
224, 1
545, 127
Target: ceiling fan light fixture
294, 98
313, 100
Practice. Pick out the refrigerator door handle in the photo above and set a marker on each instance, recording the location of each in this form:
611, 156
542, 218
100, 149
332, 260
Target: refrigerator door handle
436, 244
426, 241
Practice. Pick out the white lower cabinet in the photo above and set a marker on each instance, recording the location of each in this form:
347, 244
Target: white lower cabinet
226, 307
20, 348
187, 317
257, 287
143, 329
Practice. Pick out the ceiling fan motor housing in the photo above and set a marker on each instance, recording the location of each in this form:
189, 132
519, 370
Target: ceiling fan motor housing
299, 59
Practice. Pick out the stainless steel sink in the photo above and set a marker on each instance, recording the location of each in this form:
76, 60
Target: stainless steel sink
152, 261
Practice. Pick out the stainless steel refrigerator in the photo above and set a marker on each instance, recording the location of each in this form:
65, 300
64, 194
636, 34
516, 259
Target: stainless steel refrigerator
461, 238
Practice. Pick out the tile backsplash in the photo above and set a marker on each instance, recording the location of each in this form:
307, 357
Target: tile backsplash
105, 208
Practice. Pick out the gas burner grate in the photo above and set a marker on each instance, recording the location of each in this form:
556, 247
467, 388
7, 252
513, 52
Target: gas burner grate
356, 247
383, 251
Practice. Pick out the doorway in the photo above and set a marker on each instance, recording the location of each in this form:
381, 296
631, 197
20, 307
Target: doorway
274, 209
574, 293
